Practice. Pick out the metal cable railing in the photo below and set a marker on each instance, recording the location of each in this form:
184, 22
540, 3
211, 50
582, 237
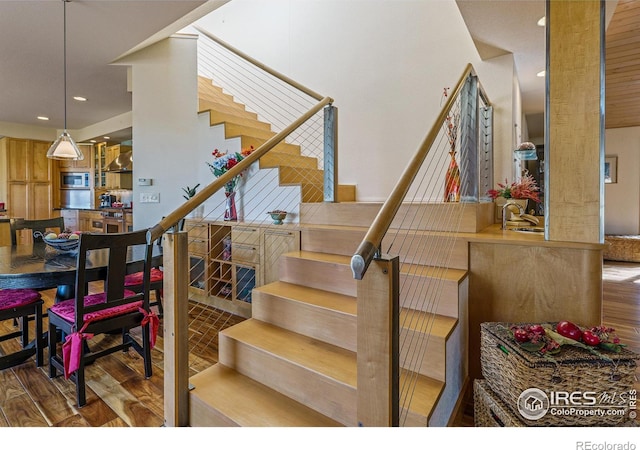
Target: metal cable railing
282, 133
421, 219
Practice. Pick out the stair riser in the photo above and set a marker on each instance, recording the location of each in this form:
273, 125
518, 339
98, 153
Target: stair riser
276, 159
332, 277
448, 217
439, 296
236, 110
423, 354
429, 250
323, 394
334, 327
203, 415
289, 149
232, 130
425, 250
218, 117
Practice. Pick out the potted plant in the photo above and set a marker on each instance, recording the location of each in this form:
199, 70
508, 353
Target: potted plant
189, 192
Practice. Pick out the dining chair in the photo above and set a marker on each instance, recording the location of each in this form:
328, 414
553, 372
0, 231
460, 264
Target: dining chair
133, 280
55, 224
21, 304
117, 308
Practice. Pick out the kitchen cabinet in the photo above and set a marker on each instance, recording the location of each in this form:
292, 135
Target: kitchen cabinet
227, 260
90, 221
26, 180
103, 180
275, 244
82, 165
70, 217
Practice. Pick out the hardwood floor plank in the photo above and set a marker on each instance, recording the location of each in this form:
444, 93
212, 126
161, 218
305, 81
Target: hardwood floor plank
117, 422
74, 421
11, 386
3, 419
128, 408
20, 411
50, 401
148, 393
96, 412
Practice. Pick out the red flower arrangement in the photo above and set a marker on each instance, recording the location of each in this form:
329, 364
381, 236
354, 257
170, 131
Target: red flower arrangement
224, 162
526, 188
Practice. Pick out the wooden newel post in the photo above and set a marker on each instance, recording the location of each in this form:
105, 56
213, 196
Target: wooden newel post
378, 344
176, 338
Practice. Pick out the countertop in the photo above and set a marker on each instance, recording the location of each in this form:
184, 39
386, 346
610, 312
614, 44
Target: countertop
94, 209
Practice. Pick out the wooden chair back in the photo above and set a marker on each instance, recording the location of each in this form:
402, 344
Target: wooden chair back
121, 247
22, 230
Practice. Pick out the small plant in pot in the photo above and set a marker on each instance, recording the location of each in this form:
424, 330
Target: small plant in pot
188, 194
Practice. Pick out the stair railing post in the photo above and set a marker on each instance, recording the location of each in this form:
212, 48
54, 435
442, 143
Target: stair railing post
330, 154
378, 347
175, 261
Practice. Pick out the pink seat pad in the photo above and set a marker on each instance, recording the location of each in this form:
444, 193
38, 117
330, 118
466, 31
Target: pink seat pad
134, 279
13, 298
67, 309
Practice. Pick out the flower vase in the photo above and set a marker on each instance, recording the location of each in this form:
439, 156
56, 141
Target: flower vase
452, 181
230, 212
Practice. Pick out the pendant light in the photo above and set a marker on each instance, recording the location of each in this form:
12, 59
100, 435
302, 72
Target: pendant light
64, 147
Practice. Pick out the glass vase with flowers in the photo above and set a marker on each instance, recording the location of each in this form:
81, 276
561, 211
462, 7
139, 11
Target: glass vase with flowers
222, 164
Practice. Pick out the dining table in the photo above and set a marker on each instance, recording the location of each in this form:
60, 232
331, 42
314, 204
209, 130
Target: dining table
39, 266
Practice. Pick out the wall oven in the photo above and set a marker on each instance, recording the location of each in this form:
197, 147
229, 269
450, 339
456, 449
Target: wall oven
75, 190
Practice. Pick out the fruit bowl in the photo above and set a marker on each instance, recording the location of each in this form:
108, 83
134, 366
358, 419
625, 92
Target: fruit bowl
63, 244
277, 216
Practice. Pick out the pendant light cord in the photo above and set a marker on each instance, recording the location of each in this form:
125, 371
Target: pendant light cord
64, 58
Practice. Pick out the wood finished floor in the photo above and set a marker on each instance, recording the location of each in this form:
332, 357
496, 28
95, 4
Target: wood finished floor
119, 396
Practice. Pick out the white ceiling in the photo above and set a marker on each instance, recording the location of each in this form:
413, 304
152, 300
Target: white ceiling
100, 31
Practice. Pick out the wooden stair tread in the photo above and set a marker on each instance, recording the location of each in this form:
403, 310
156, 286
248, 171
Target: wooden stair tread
419, 392
329, 360
246, 402
435, 325
311, 296
421, 270
322, 257
219, 117
234, 130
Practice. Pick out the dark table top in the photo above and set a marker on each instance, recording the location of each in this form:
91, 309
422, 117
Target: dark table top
38, 266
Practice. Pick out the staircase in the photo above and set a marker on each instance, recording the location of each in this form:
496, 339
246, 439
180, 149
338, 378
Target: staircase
294, 362
293, 167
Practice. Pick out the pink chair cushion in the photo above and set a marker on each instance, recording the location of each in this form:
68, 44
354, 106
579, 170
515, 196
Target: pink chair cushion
67, 309
134, 279
14, 298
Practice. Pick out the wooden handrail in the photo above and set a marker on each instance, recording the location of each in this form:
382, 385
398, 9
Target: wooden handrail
262, 66
179, 213
370, 245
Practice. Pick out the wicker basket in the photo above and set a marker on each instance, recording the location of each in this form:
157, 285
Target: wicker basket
489, 410
511, 370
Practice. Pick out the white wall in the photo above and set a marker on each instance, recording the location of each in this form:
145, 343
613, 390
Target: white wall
165, 131
384, 62
621, 200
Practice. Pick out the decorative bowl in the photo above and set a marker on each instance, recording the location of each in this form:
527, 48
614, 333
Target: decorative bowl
62, 244
277, 216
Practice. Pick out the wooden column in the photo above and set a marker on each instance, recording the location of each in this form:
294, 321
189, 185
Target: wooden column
176, 329
378, 344
574, 148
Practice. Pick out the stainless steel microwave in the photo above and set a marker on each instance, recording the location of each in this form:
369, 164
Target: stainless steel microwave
74, 180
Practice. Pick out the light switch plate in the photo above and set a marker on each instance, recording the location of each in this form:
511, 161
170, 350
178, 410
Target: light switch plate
149, 197
144, 181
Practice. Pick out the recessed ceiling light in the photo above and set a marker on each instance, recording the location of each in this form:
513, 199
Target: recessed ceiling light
80, 99
43, 118
542, 22
106, 137
93, 141
541, 74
